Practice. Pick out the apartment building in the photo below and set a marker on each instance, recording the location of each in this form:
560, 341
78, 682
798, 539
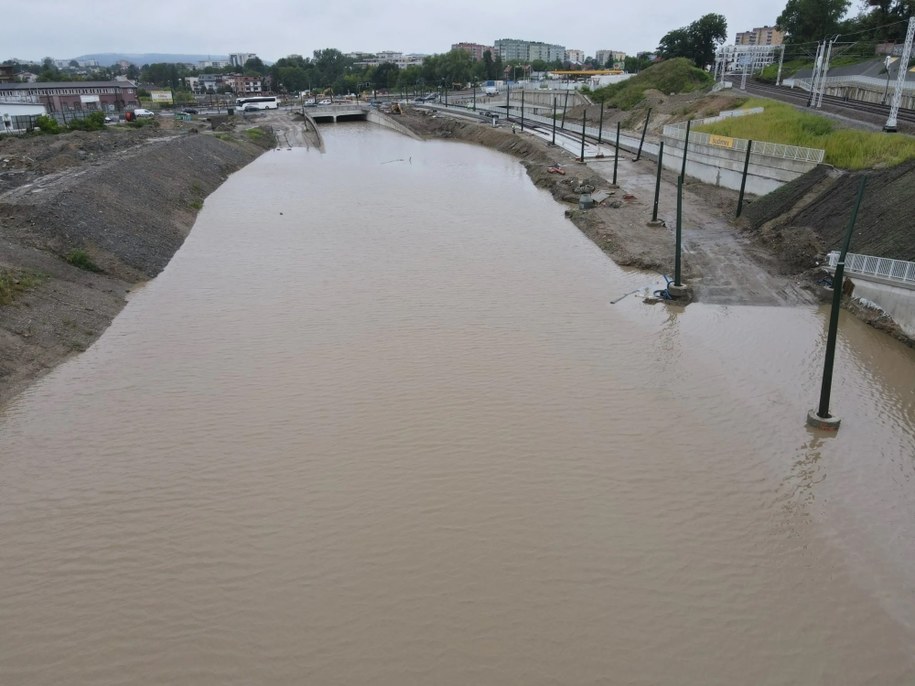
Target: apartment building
238, 59
475, 50
764, 35
575, 56
515, 50
616, 58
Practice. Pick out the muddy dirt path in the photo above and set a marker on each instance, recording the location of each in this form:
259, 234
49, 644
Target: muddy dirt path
724, 267
290, 129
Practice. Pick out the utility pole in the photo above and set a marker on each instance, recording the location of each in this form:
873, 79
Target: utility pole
824, 72
743, 77
815, 75
781, 60
900, 77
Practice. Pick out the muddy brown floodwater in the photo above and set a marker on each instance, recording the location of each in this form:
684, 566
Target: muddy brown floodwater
378, 422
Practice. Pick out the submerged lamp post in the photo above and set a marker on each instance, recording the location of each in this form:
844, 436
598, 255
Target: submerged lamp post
685, 148
743, 180
554, 121
657, 190
600, 126
616, 153
584, 121
820, 417
644, 131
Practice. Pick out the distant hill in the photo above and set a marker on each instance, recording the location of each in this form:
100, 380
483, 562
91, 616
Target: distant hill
106, 59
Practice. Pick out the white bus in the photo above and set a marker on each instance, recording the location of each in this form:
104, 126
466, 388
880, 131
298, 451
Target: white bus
265, 102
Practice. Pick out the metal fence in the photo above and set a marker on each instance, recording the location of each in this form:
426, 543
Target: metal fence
762, 148
18, 124
21, 124
874, 83
883, 267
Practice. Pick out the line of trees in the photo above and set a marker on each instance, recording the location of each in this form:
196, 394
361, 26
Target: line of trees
802, 21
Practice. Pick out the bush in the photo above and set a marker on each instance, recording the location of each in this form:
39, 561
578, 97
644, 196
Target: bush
14, 282
47, 124
95, 121
143, 121
81, 259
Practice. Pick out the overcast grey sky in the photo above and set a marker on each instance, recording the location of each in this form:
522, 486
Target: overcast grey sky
275, 28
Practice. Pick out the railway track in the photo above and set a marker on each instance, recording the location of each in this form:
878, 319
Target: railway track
868, 112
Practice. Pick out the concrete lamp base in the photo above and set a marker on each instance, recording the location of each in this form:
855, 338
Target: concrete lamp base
815, 421
655, 223
680, 291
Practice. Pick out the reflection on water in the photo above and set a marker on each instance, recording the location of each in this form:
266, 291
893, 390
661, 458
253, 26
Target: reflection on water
379, 423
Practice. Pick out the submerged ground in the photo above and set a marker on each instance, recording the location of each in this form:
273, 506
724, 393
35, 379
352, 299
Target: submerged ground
86, 216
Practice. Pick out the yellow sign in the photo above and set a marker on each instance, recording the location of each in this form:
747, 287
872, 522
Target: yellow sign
721, 141
161, 96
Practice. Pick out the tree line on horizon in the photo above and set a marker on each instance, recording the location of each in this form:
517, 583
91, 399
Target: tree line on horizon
804, 22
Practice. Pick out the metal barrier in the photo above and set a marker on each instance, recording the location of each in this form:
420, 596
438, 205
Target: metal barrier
788, 152
882, 267
865, 82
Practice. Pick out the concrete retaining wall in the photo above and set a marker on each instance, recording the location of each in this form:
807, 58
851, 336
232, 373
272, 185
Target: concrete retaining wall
724, 167
897, 301
389, 122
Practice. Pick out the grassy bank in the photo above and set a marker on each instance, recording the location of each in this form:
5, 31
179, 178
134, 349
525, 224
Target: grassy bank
845, 148
671, 76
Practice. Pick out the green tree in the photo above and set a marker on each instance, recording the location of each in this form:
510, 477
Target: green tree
806, 21
634, 65
331, 66
884, 20
255, 67
697, 42
49, 71
488, 70
385, 75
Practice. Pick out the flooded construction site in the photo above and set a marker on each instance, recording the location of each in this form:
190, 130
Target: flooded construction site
385, 418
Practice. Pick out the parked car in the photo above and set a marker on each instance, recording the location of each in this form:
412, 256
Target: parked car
141, 112
190, 110
326, 101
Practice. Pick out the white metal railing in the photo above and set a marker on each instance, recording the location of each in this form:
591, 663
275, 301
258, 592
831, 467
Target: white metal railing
866, 82
883, 267
765, 148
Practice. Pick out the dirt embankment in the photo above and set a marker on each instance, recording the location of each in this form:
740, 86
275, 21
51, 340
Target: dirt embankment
819, 205
84, 217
